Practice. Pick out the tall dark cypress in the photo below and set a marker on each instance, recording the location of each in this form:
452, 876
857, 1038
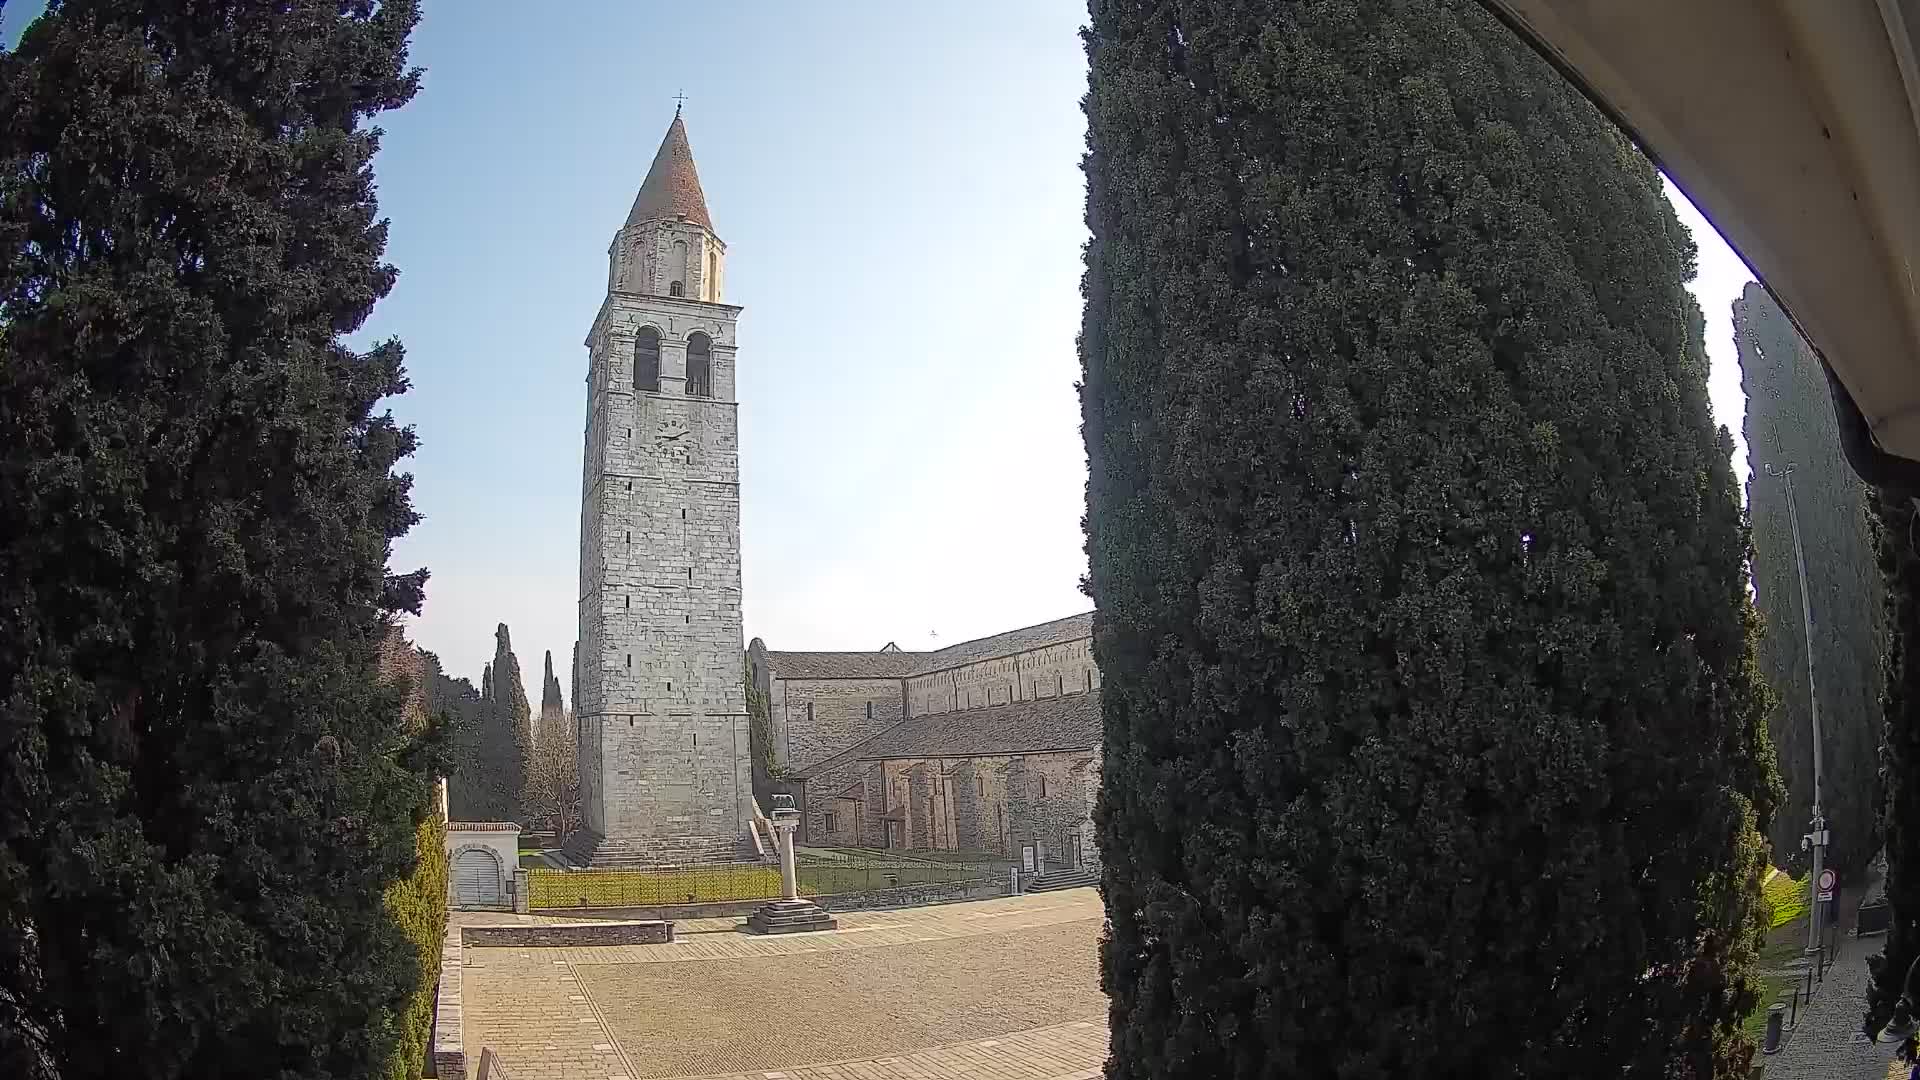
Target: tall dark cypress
205, 787
1789, 421
1434, 743
513, 723
1896, 515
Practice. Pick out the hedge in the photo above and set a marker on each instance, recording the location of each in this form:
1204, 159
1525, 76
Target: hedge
418, 905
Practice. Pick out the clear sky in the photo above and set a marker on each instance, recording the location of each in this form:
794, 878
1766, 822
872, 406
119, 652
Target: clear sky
899, 189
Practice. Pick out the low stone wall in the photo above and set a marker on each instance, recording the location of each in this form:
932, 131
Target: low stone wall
718, 909
566, 935
917, 895
449, 1037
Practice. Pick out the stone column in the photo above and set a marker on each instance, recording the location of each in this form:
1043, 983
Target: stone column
789, 914
784, 823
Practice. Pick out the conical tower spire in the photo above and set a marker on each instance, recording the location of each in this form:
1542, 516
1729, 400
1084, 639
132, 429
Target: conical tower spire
672, 187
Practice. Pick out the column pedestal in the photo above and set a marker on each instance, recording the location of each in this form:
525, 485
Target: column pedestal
790, 917
790, 914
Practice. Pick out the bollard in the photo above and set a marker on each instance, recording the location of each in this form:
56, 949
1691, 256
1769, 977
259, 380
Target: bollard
1776, 1014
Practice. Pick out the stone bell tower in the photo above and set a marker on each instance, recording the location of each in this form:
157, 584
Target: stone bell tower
660, 706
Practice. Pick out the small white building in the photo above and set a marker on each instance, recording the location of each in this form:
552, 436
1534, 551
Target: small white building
482, 857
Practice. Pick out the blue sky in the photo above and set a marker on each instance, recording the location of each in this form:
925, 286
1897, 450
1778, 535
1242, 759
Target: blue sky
899, 189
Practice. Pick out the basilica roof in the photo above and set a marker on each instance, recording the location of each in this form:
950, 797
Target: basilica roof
892, 663
672, 187
843, 665
1071, 628
1067, 722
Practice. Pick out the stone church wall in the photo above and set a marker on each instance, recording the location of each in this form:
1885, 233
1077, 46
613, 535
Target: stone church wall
1047, 806
992, 804
814, 719
1036, 673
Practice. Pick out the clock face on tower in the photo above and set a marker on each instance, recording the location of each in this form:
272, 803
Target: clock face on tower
670, 438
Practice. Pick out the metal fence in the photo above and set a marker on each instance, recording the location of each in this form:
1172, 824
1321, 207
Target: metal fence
652, 888
846, 871
863, 877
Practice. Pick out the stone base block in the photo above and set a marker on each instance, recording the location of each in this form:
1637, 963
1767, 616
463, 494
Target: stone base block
790, 917
565, 935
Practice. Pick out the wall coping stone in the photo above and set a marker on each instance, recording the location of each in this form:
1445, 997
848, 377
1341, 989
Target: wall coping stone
569, 935
449, 1036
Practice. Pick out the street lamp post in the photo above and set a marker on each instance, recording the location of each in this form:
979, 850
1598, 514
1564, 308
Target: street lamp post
1816, 840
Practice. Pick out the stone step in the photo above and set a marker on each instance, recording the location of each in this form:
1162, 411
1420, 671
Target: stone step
790, 917
1053, 880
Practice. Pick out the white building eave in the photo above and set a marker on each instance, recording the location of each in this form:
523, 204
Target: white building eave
1794, 125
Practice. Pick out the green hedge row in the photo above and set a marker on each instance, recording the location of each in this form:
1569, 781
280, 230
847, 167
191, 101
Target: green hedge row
418, 905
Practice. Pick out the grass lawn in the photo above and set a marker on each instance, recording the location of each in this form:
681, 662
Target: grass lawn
1788, 898
1788, 901
1771, 987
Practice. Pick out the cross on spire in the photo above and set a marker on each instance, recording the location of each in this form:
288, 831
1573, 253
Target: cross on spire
679, 99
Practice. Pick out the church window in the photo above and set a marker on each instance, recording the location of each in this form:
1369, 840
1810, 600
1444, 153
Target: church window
1043, 787
982, 781
832, 822
629, 661
1059, 685
809, 712
646, 360
869, 710
713, 289
699, 366
1089, 678
677, 270
626, 602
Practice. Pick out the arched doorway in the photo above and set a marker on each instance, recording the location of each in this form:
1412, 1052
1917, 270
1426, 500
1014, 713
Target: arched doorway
476, 878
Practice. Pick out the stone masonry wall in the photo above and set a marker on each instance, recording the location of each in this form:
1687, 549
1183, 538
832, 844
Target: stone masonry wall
980, 803
661, 708
814, 719
821, 789
1053, 814
1037, 673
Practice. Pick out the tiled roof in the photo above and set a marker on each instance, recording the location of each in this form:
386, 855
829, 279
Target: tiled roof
896, 664
672, 187
842, 665
1071, 628
1069, 722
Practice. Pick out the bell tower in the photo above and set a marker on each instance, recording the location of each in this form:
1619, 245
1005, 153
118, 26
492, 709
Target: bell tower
660, 707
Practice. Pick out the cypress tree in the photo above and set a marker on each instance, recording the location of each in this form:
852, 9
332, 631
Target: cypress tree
513, 720
1897, 542
205, 787
1434, 740
1790, 420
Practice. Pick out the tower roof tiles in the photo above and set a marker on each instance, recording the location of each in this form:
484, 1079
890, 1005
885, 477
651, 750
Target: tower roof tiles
672, 187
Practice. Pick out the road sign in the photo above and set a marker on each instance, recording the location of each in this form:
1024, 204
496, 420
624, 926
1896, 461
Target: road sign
1827, 882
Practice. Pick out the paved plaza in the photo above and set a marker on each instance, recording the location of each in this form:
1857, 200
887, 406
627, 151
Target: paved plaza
1005, 989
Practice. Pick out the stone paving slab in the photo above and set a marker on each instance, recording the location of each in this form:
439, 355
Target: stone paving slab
774, 1013
1004, 989
1827, 1044
1064, 1052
